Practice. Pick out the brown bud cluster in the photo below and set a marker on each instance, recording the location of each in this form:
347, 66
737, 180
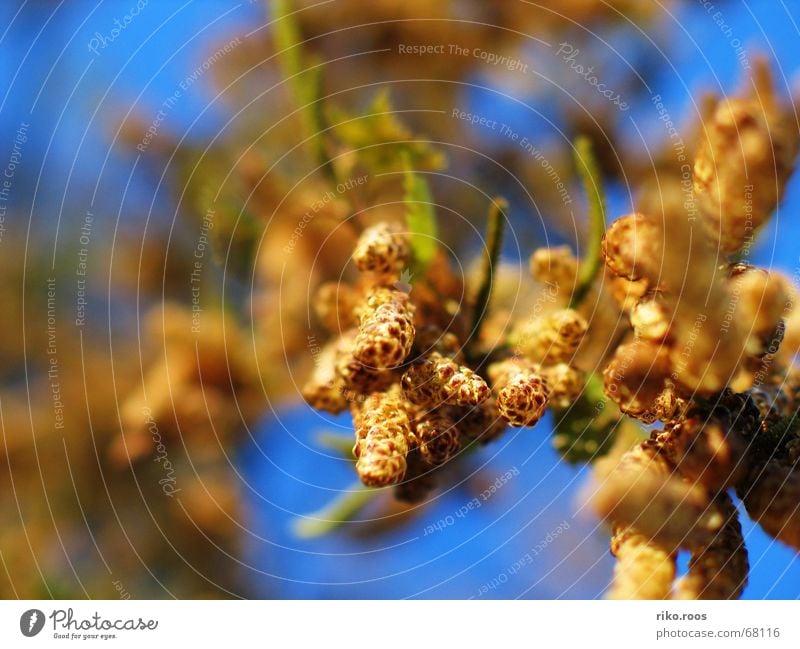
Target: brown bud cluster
681, 334
541, 373
335, 306
522, 392
636, 378
551, 338
693, 338
415, 401
385, 330
437, 435
771, 496
556, 267
709, 444
382, 249
673, 488
437, 380
644, 570
691, 341
719, 568
382, 433
743, 163
644, 490
630, 247
565, 383
199, 389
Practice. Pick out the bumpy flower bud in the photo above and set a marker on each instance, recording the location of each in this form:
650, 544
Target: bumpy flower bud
430, 338
358, 379
483, 422
335, 306
437, 435
382, 249
631, 247
386, 330
643, 490
436, 380
556, 266
741, 168
325, 390
382, 432
719, 568
565, 384
650, 318
757, 303
644, 570
552, 338
627, 293
771, 495
636, 377
709, 444
522, 392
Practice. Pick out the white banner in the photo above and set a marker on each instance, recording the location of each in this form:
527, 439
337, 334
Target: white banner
389, 624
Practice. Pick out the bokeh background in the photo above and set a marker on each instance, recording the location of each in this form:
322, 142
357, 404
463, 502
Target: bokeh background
76, 524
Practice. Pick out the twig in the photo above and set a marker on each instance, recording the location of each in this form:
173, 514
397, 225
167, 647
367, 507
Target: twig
494, 242
303, 74
337, 443
337, 512
589, 172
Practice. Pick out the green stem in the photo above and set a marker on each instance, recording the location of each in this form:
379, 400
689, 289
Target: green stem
337, 443
340, 510
589, 172
303, 74
494, 242
420, 218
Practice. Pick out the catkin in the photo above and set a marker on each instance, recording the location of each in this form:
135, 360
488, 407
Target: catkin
335, 305
644, 570
382, 249
557, 267
437, 435
521, 390
758, 301
650, 318
382, 432
436, 380
743, 164
358, 379
772, 498
642, 490
551, 338
325, 389
565, 383
386, 330
719, 568
630, 247
636, 376
710, 445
